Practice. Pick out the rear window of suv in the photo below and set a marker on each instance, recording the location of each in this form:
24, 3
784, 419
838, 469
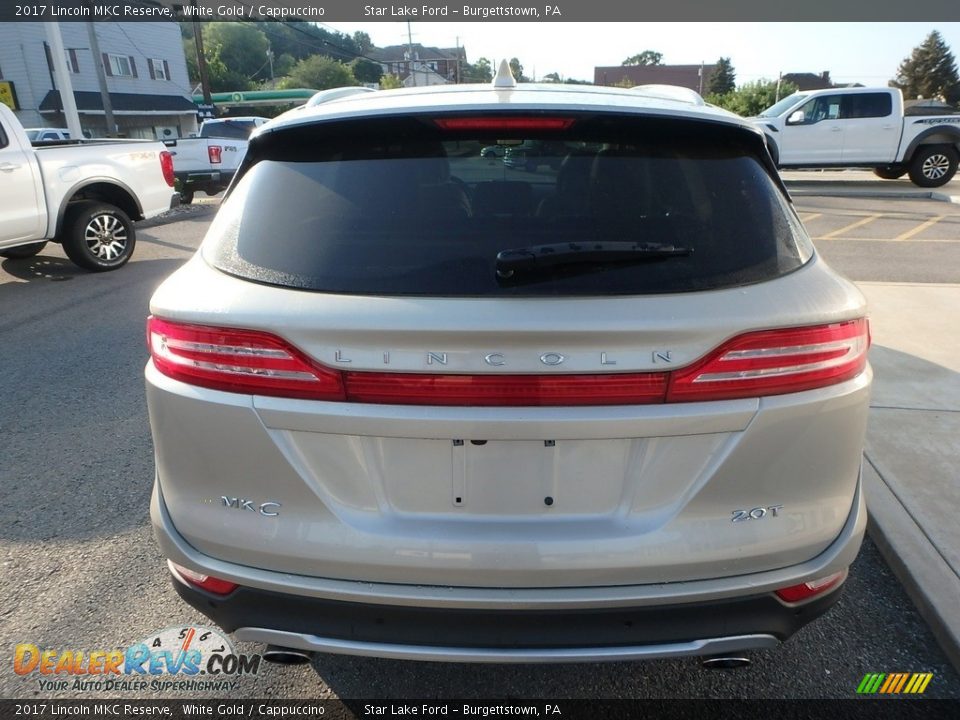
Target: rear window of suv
421, 206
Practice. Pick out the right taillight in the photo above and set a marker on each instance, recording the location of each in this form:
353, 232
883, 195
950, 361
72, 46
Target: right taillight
812, 588
775, 362
214, 152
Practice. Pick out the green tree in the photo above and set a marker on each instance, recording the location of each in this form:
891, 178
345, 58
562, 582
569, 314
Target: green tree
750, 98
390, 82
318, 72
239, 49
551, 78
283, 64
303, 39
363, 42
479, 72
929, 72
723, 79
222, 78
647, 57
517, 69
366, 71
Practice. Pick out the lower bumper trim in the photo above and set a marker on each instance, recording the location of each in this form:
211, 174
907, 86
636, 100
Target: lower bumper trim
314, 643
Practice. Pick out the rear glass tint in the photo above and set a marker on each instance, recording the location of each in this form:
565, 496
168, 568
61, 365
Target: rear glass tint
401, 207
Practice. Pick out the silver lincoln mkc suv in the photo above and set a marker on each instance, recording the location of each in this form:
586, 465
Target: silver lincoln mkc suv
409, 402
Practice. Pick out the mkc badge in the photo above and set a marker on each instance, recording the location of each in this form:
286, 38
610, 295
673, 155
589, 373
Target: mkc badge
267, 509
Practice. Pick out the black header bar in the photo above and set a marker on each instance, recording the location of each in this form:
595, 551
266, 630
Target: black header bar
478, 11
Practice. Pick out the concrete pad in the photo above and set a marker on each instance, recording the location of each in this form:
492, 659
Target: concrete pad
922, 320
912, 473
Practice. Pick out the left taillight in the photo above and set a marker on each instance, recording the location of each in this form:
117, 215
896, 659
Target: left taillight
211, 584
166, 166
242, 361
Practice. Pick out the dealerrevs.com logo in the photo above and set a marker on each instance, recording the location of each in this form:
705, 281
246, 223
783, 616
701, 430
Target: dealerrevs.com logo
180, 658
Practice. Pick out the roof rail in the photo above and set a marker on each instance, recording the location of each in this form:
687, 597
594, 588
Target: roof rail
675, 93
334, 93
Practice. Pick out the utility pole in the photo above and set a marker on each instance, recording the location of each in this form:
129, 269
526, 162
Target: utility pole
201, 59
779, 80
270, 58
101, 80
701, 77
458, 59
59, 58
413, 70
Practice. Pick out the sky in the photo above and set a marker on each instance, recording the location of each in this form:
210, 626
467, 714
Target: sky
868, 53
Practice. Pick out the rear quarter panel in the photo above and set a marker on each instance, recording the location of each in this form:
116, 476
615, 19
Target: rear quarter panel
133, 165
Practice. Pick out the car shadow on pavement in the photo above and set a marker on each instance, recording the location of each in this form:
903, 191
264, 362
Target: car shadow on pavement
42, 267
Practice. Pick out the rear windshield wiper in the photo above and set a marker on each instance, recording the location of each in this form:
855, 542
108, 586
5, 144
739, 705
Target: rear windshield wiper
542, 257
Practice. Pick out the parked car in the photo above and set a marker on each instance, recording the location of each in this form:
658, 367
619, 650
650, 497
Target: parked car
493, 151
612, 413
207, 163
862, 128
531, 154
84, 196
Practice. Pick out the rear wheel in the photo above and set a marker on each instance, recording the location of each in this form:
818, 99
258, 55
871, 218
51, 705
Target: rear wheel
186, 197
97, 236
890, 172
24, 251
933, 165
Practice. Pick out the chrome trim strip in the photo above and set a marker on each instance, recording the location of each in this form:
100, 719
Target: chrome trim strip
314, 643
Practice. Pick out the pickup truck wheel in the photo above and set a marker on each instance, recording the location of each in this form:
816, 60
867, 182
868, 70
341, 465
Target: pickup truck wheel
186, 197
890, 172
933, 165
97, 236
24, 251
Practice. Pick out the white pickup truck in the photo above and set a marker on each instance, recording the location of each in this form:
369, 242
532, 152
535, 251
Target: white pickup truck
209, 162
862, 128
81, 194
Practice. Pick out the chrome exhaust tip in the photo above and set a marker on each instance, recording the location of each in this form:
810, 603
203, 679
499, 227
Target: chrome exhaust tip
286, 656
725, 663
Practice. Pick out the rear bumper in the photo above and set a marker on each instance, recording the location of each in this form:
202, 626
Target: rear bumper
202, 179
704, 617
469, 635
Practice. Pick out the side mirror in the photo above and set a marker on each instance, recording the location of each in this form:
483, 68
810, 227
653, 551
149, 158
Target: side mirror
796, 118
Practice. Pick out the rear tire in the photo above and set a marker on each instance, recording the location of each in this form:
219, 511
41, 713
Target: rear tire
186, 197
24, 251
97, 236
890, 172
933, 165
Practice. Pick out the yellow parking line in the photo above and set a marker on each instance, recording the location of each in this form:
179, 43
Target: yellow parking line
811, 216
851, 226
919, 228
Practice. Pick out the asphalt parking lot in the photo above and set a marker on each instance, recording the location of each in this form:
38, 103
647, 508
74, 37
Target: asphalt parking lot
80, 569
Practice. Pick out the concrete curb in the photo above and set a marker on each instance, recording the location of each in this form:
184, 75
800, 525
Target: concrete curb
800, 188
929, 581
